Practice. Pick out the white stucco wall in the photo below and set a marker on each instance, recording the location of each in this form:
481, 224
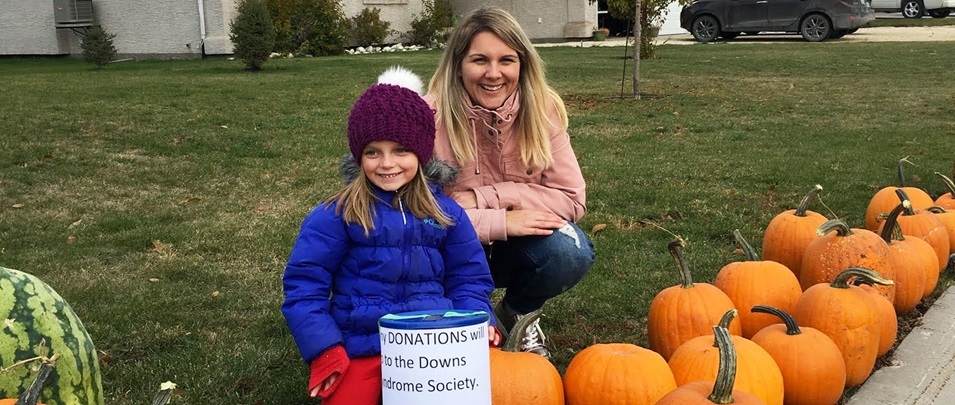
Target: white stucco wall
168, 27
399, 13
172, 28
26, 28
218, 14
543, 21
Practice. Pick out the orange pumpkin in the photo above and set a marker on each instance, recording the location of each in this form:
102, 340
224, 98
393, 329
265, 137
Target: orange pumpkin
752, 282
756, 371
946, 200
833, 252
912, 266
540, 382
685, 311
789, 232
888, 319
720, 391
810, 362
885, 199
849, 316
615, 374
926, 225
947, 216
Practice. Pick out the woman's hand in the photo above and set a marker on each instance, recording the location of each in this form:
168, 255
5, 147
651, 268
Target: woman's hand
466, 199
528, 222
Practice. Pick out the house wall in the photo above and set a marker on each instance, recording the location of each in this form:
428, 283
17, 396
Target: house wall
158, 28
26, 28
173, 28
167, 28
543, 21
399, 13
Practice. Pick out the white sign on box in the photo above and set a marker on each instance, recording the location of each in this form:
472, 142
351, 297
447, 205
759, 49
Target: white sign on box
435, 357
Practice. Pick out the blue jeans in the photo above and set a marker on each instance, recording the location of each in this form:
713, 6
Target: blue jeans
534, 269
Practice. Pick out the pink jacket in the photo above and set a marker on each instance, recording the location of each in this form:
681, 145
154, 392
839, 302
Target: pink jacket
503, 182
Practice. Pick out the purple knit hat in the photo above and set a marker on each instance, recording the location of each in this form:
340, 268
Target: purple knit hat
393, 110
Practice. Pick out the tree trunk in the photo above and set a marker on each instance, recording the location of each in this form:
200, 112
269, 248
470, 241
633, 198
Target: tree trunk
636, 50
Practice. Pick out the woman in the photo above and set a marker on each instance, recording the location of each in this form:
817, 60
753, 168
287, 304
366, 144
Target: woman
499, 121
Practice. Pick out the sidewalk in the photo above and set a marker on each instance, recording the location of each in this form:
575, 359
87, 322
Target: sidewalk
923, 365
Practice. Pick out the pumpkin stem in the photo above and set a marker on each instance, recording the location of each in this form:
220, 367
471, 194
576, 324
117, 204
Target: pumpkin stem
792, 328
836, 224
747, 248
725, 321
726, 374
676, 250
902, 172
32, 394
902, 197
948, 183
804, 204
936, 209
513, 343
890, 228
728, 317
842, 280
164, 394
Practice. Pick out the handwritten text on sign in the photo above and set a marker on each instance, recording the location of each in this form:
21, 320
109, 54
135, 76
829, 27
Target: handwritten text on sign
435, 366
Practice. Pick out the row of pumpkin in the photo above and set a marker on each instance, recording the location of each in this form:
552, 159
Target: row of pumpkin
815, 311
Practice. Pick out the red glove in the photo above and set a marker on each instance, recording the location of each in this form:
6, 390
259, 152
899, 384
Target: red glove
326, 371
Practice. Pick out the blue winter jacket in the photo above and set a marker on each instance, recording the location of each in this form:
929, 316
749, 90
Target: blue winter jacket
338, 282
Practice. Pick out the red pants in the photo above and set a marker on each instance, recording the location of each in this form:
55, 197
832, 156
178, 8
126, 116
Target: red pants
360, 385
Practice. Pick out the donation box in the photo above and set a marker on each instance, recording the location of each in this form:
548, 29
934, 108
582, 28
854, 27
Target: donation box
437, 357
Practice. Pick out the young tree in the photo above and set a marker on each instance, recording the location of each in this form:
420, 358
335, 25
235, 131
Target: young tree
98, 46
644, 14
252, 33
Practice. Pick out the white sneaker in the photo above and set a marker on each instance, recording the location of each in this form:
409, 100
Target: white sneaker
534, 340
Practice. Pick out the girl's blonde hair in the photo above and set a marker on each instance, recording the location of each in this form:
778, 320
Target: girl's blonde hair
536, 96
356, 201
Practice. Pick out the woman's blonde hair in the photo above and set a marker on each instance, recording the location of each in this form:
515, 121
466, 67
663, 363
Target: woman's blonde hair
536, 96
356, 201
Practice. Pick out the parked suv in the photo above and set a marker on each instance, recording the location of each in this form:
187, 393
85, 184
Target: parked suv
916, 8
815, 20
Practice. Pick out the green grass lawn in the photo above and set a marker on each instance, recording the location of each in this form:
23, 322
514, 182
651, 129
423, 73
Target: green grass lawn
911, 22
161, 198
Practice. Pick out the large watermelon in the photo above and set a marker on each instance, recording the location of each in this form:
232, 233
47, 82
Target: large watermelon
32, 313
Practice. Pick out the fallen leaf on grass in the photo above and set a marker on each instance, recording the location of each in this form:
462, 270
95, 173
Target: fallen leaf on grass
262, 208
75, 224
188, 200
17, 205
153, 280
70, 240
598, 228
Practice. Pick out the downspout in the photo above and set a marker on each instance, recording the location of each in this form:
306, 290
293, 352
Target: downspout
202, 26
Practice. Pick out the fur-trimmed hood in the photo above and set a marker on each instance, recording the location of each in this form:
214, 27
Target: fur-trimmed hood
437, 172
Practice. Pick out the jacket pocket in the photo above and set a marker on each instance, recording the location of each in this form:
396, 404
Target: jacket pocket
515, 170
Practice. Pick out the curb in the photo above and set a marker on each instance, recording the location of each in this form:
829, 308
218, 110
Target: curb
923, 365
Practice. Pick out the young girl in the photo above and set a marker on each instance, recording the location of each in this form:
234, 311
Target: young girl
388, 242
